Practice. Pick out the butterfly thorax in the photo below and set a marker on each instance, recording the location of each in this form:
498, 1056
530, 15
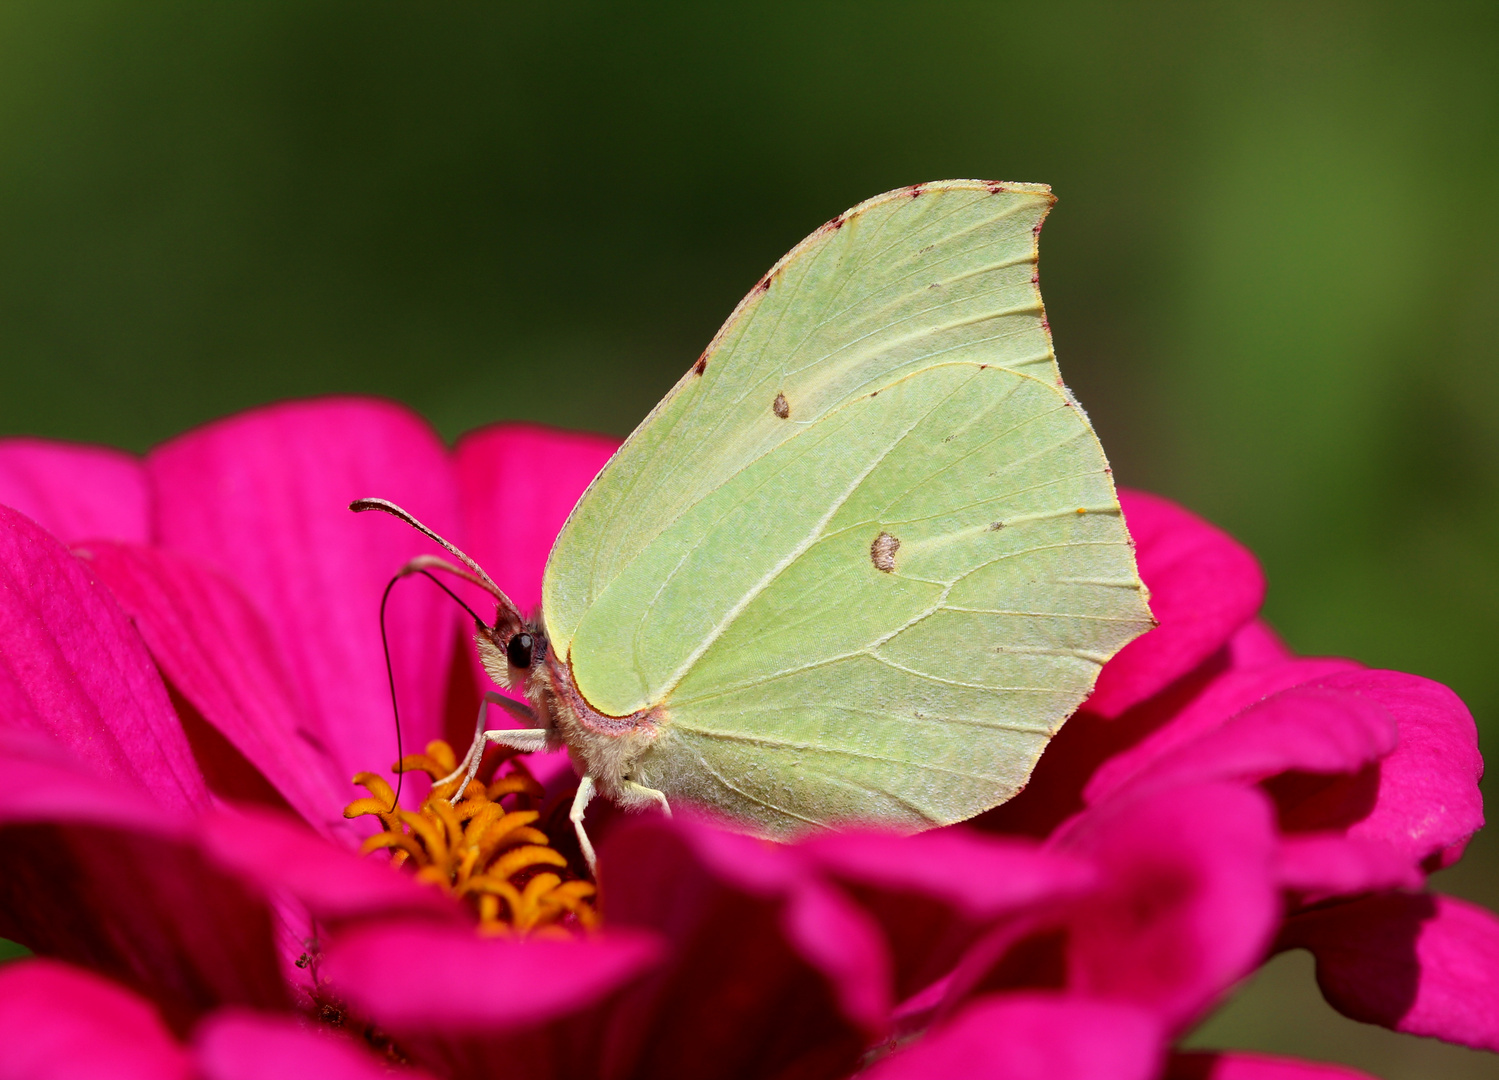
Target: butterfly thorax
604, 747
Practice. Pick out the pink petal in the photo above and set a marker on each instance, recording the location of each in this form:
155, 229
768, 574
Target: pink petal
76, 492
1232, 1065
1086, 744
277, 854
1223, 697
518, 483
60, 1023
1423, 964
147, 912
983, 876
820, 924
492, 1008
1204, 586
1306, 728
1188, 903
264, 496
837, 938
934, 892
238, 1045
1034, 1037
1092, 756
42, 781
73, 669
1422, 798
100, 874
219, 654
1322, 866
1256, 645
453, 981
1428, 801
764, 967
844, 943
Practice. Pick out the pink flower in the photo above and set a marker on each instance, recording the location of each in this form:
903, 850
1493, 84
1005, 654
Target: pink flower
191, 671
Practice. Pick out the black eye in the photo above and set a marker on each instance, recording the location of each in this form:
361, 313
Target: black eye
519, 651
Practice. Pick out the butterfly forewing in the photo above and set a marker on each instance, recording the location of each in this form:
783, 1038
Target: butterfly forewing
869, 557
898, 283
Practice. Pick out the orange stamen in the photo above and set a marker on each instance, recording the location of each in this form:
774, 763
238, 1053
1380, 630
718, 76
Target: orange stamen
479, 849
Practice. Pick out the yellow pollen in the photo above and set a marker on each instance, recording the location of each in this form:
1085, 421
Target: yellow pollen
479, 849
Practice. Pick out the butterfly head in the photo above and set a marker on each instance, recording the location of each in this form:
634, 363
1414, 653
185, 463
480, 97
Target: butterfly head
512, 651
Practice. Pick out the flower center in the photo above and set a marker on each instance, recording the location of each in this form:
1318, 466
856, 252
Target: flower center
479, 849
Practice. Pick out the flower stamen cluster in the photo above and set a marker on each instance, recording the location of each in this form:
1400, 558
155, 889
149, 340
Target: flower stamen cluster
476, 848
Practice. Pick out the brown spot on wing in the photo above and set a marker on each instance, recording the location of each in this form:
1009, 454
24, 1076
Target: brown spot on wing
994, 186
882, 552
701, 365
781, 407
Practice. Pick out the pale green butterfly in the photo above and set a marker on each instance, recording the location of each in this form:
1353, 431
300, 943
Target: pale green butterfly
858, 565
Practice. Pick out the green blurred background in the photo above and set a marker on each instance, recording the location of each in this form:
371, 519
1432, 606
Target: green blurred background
1273, 275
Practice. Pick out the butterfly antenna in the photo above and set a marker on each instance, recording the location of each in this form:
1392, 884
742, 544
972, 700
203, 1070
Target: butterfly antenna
416, 566
484, 581
390, 677
423, 564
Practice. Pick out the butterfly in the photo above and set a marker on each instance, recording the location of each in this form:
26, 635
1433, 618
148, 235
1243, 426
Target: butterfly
858, 565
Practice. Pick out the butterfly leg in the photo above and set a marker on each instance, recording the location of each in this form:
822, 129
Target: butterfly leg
476, 741
657, 797
575, 815
526, 741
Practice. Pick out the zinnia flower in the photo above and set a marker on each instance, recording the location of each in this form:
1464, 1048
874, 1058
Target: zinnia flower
191, 674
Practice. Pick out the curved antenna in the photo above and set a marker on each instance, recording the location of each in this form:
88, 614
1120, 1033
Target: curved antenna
390, 677
480, 578
415, 566
422, 563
